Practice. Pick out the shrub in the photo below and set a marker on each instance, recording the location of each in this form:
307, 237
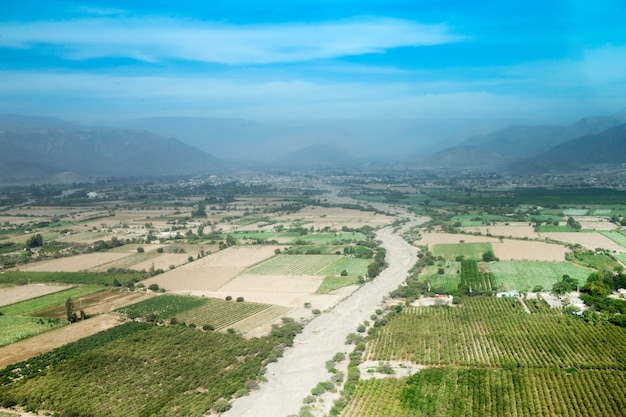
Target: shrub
153, 287
208, 328
240, 299
160, 250
221, 406
228, 298
316, 311
140, 249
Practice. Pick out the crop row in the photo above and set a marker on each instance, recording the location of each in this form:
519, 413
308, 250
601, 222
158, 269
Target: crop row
148, 370
474, 281
443, 392
488, 331
163, 307
88, 278
294, 265
221, 314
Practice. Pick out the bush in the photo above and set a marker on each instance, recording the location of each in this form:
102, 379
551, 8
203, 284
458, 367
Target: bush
240, 299
153, 287
160, 250
228, 298
221, 406
316, 311
208, 328
140, 249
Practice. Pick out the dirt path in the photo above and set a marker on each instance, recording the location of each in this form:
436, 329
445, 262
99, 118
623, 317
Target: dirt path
45, 342
290, 379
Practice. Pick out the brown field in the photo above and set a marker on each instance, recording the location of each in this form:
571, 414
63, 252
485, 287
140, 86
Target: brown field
437, 238
14, 294
45, 342
588, 240
516, 230
596, 223
335, 218
75, 263
85, 237
520, 250
213, 271
163, 261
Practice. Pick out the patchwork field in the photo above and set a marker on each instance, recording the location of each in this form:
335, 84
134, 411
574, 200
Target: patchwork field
521, 275
526, 250
617, 237
335, 218
213, 271
449, 280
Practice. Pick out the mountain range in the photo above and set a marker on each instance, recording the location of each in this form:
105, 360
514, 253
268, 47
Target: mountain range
42, 149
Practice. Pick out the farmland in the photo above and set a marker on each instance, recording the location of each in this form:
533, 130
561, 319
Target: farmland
451, 251
139, 358
295, 265
511, 364
16, 322
525, 275
221, 314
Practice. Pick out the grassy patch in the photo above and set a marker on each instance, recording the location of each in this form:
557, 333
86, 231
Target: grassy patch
164, 306
451, 251
616, 237
598, 261
16, 325
353, 266
552, 228
478, 219
525, 275
295, 265
449, 280
331, 284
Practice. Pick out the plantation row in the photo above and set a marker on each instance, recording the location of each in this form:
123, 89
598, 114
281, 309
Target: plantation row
474, 281
487, 331
448, 392
221, 314
138, 369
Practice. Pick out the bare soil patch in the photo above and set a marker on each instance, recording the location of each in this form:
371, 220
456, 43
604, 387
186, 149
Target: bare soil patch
45, 342
516, 230
335, 218
75, 263
15, 294
98, 303
162, 262
520, 250
588, 240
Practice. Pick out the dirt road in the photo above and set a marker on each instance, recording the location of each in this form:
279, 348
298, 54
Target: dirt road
303, 366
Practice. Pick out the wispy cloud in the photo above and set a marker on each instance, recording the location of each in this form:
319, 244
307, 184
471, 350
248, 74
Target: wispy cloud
155, 39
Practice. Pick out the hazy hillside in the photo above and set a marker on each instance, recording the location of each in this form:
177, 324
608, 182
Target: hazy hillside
602, 149
315, 156
463, 157
38, 154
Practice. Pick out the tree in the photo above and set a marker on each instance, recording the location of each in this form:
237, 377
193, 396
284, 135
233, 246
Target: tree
35, 241
69, 310
489, 256
573, 223
200, 211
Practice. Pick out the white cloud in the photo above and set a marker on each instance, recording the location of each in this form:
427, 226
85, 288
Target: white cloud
152, 39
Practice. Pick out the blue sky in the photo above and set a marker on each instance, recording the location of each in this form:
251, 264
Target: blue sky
102, 60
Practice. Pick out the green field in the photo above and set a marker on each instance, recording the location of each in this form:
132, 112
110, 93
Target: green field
525, 275
89, 278
331, 284
616, 237
353, 266
137, 369
451, 251
16, 324
545, 228
449, 280
221, 314
575, 212
478, 219
598, 261
295, 265
487, 357
163, 307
